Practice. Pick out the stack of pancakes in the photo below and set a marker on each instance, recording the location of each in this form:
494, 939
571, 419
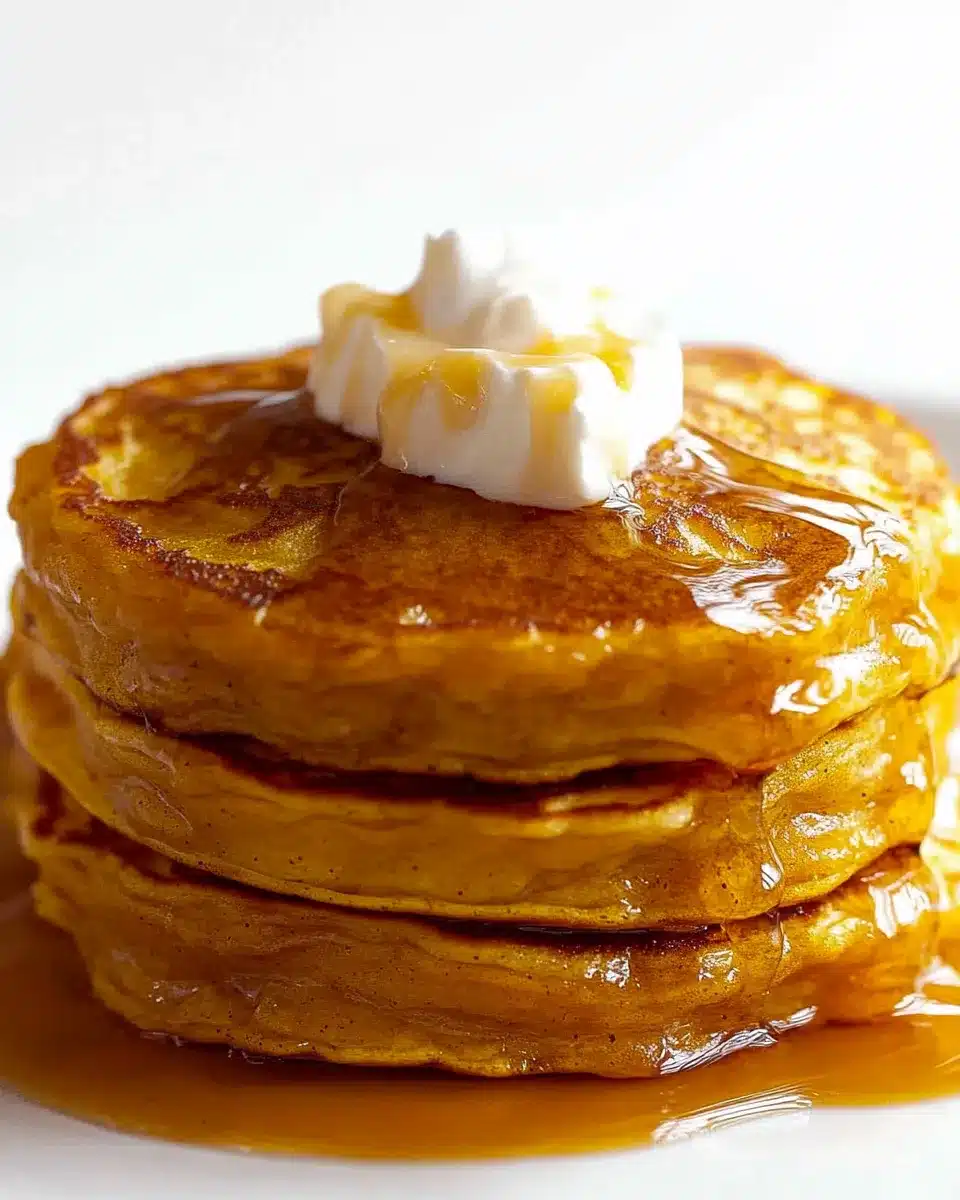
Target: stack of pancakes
323, 759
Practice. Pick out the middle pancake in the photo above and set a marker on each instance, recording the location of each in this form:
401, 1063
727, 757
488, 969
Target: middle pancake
645, 847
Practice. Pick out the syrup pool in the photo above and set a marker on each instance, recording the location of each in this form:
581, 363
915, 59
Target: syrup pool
60, 1048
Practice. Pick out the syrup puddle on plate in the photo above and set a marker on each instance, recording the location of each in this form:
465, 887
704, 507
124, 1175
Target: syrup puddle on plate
60, 1048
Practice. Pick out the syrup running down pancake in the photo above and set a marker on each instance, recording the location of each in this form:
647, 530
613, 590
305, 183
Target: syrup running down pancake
220, 561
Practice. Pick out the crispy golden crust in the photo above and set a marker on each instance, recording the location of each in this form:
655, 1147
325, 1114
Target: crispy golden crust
647, 847
783, 561
179, 953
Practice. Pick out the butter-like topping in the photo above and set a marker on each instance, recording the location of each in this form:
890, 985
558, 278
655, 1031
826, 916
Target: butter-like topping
480, 378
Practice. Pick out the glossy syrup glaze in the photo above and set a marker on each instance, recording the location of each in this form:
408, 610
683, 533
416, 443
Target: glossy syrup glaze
60, 1048
786, 559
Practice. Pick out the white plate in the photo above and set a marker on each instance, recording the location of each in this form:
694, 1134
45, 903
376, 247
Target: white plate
896, 1151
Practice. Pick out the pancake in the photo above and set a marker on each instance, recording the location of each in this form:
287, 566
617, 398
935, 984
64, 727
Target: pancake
177, 952
641, 847
219, 561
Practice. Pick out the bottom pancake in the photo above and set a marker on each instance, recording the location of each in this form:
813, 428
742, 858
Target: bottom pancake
180, 953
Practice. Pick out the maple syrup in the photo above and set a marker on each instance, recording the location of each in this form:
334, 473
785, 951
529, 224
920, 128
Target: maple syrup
61, 1048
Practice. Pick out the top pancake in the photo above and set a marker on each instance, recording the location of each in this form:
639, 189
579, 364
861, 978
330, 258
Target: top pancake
223, 562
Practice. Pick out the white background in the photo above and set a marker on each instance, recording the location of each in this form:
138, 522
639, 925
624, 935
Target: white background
181, 179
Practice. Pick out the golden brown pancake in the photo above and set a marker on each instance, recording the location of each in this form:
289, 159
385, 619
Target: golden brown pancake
641, 847
222, 563
177, 952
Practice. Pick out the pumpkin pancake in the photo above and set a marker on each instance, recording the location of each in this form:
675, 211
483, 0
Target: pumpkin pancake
207, 554
641, 847
177, 952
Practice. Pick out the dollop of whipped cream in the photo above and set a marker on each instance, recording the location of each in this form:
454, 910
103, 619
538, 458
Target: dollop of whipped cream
483, 377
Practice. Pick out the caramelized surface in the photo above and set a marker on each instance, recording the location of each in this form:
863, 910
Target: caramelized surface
639, 847
784, 561
180, 953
